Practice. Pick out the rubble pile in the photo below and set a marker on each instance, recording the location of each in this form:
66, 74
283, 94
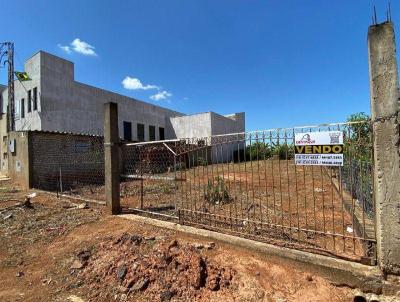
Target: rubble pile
129, 266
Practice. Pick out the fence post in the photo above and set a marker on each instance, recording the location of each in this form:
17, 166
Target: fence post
111, 161
141, 184
384, 88
61, 182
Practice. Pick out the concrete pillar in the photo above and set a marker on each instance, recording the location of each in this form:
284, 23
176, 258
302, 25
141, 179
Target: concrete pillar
111, 153
384, 86
20, 160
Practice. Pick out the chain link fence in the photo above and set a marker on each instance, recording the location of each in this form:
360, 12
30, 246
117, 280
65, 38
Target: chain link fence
148, 179
68, 164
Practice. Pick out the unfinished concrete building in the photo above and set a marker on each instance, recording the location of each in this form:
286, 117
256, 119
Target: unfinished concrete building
53, 101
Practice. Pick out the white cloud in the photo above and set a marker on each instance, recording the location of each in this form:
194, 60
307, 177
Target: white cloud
162, 95
79, 46
83, 47
67, 49
135, 84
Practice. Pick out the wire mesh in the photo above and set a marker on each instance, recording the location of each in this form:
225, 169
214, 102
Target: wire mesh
68, 163
148, 178
247, 184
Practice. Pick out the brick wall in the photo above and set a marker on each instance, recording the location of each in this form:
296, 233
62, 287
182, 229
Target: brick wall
66, 160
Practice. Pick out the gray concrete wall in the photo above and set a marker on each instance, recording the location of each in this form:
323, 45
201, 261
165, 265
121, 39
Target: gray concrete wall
66, 105
3, 133
223, 124
32, 120
385, 105
19, 168
2, 109
226, 144
195, 125
205, 125
78, 108
3, 146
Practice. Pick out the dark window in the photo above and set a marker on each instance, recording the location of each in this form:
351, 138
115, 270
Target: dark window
152, 133
35, 98
29, 100
127, 131
22, 108
140, 132
82, 146
161, 132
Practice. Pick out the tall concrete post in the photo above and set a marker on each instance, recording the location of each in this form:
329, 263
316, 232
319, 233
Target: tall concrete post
111, 153
384, 86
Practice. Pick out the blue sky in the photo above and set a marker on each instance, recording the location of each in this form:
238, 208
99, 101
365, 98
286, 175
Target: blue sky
285, 63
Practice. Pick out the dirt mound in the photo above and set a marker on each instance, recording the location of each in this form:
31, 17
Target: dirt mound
130, 266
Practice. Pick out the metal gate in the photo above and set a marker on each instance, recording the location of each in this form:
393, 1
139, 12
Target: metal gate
247, 184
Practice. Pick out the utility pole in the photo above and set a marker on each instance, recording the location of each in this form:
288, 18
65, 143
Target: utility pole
7, 50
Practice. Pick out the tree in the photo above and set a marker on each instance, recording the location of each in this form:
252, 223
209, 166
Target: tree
258, 151
357, 170
358, 136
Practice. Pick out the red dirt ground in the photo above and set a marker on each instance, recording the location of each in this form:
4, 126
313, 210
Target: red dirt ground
300, 204
60, 251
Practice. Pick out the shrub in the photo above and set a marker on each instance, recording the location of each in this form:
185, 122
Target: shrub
258, 151
284, 151
201, 161
217, 191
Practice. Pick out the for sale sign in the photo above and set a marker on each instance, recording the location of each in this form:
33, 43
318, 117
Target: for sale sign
319, 148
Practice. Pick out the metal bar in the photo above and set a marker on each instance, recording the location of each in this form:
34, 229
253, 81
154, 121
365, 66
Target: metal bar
141, 185
152, 213
273, 181
138, 176
287, 227
267, 148
288, 182
225, 173
152, 142
244, 133
172, 151
280, 179
297, 193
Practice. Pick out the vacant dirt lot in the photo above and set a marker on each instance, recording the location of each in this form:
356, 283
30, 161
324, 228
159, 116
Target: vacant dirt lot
305, 207
58, 250
272, 200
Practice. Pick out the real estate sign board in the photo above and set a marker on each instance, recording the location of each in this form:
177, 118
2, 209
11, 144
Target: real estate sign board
323, 148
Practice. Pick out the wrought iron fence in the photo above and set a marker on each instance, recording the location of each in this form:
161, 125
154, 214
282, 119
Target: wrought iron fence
247, 184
